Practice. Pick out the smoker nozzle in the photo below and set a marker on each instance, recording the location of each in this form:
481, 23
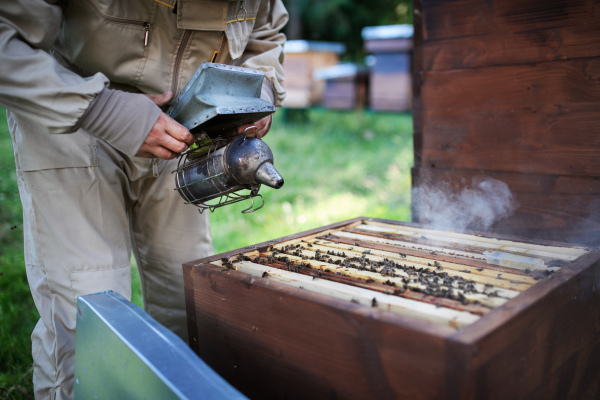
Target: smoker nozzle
268, 175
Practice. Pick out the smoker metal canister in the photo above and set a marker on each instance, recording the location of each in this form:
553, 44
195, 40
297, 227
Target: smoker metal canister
245, 163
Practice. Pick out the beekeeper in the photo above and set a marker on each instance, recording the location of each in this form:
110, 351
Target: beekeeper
85, 83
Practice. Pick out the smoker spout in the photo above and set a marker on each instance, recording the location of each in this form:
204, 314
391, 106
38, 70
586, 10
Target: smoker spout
268, 175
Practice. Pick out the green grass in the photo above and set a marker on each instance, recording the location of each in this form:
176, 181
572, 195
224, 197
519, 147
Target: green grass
337, 166
18, 314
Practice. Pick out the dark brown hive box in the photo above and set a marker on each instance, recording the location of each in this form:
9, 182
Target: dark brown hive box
510, 89
362, 317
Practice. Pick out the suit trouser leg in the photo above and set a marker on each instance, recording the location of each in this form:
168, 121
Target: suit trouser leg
78, 241
165, 234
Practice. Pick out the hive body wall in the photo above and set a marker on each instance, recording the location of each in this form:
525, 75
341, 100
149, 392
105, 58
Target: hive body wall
309, 328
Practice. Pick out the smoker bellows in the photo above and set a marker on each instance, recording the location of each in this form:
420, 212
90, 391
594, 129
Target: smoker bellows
216, 101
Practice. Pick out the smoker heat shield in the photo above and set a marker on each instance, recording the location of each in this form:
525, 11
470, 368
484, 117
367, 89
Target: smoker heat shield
219, 98
244, 163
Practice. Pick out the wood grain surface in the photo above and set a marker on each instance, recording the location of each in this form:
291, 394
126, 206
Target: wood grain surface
552, 207
543, 344
273, 341
512, 89
474, 33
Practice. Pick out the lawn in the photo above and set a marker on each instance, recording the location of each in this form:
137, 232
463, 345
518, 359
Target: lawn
336, 166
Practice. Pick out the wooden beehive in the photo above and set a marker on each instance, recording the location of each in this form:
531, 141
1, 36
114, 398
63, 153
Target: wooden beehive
510, 89
390, 86
345, 87
351, 310
302, 58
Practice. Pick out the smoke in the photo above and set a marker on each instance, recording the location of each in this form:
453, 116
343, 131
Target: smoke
475, 207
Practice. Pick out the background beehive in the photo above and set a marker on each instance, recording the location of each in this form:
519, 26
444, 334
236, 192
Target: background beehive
390, 86
302, 58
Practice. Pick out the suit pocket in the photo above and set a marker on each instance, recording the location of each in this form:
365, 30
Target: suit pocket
109, 37
240, 26
36, 149
203, 15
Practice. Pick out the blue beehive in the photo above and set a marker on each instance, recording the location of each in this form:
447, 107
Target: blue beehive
390, 87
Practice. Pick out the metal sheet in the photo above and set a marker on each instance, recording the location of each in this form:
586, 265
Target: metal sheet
123, 353
219, 98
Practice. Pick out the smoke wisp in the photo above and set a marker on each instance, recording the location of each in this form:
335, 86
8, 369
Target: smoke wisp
474, 207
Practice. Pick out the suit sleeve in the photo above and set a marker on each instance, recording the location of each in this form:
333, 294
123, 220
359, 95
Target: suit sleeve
264, 50
34, 85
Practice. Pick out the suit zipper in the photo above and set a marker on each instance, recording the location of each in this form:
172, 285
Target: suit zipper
184, 40
154, 163
220, 51
147, 26
125, 21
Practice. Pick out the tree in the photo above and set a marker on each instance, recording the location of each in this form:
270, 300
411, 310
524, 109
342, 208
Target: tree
343, 20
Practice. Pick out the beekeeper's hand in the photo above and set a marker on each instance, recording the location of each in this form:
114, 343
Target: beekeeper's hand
262, 127
168, 138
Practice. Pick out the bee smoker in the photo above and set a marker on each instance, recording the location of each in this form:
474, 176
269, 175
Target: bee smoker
221, 163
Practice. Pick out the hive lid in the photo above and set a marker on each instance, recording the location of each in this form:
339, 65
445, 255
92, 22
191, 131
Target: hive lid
304, 46
387, 32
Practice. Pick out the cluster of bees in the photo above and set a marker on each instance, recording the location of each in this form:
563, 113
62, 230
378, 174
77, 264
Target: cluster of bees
437, 282
434, 281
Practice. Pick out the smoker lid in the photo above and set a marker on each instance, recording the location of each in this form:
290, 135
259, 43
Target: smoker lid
219, 98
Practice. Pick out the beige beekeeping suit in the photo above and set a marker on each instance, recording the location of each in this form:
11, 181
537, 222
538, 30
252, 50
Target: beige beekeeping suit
87, 201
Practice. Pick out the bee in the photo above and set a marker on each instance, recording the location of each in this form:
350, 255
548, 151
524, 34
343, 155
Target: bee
264, 274
479, 269
374, 302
